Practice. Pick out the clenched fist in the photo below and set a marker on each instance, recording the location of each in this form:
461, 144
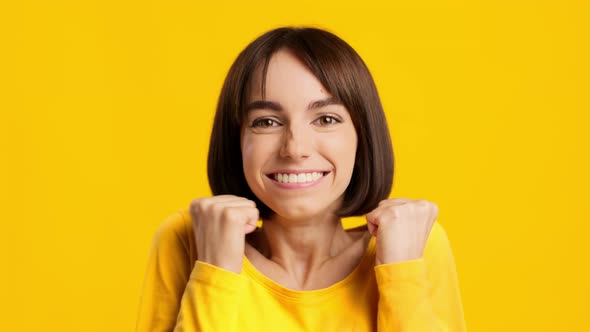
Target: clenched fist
402, 227
220, 224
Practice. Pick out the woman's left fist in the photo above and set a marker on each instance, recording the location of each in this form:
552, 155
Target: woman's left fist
402, 227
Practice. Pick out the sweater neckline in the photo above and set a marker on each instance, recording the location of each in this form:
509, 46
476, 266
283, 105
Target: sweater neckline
299, 295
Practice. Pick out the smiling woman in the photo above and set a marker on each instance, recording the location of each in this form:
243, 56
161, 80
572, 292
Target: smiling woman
300, 141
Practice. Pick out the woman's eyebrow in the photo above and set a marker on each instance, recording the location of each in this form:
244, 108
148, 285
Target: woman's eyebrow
264, 105
323, 102
271, 105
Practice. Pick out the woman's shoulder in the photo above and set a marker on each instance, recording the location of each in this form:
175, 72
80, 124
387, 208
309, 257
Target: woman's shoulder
176, 231
438, 253
437, 238
175, 223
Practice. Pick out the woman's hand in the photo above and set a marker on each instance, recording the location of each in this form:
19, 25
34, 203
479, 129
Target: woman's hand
219, 225
402, 227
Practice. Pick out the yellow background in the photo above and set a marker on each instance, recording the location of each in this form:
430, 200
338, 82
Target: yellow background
106, 110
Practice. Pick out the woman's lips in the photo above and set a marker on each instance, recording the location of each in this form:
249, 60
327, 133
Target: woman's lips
297, 180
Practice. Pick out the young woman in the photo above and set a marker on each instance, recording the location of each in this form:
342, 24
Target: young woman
300, 141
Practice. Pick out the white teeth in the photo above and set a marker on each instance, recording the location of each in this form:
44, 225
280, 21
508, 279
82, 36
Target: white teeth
297, 178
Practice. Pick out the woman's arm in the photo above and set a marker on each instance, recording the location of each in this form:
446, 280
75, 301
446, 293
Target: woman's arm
421, 294
166, 276
174, 297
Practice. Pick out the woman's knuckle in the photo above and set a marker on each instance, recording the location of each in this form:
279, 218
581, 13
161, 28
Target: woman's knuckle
229, 213
422, 202
394, 212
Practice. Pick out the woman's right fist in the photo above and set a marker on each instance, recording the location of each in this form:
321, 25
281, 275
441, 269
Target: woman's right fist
219, 225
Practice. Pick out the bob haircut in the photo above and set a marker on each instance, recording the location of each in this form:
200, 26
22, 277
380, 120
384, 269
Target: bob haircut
346, 77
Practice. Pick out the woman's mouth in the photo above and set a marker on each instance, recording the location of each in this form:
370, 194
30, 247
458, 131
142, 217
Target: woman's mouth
297, 180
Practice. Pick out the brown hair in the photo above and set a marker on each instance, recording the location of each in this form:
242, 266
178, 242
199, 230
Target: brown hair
344, 74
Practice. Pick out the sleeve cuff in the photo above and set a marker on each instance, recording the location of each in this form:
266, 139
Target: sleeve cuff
217, 277
401, 272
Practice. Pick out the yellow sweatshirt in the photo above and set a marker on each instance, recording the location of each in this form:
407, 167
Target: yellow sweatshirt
183, 294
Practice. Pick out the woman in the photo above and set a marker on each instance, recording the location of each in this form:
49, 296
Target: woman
300, 141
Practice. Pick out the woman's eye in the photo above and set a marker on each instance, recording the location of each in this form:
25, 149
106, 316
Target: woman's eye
264, 123
327, 120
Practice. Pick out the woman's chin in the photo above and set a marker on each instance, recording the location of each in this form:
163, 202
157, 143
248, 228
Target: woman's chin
298, 213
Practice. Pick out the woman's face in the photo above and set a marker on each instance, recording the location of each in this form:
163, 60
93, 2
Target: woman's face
298, 145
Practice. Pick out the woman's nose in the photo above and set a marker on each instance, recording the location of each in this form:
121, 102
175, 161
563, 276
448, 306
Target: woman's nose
296, 143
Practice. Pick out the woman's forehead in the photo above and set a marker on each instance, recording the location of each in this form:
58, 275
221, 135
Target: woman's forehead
285, 75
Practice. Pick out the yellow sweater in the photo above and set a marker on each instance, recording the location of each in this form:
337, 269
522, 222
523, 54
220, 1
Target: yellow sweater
183, 294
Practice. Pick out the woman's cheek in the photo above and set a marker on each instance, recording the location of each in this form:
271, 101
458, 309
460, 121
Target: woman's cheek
256, 152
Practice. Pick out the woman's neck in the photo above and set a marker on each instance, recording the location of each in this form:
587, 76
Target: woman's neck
301, 246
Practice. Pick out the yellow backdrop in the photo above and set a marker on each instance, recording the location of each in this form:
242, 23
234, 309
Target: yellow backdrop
106, 115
